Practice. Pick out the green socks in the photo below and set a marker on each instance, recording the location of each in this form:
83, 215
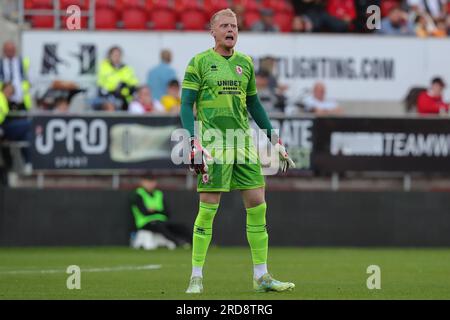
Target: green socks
257, 234
202, 232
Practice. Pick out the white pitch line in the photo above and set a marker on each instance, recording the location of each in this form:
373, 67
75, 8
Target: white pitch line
120, 268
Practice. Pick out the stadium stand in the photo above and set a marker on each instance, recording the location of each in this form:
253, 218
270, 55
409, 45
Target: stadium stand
193, 15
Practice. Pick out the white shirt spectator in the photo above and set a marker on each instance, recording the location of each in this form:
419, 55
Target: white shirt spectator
135, 107
311, 104
11, 73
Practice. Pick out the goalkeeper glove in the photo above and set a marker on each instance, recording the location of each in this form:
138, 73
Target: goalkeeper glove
198, 158
285, 161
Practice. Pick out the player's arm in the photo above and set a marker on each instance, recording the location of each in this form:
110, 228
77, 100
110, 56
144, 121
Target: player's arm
189, 93
258, 114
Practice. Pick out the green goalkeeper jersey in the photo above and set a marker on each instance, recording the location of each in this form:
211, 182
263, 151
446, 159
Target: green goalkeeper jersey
222, 85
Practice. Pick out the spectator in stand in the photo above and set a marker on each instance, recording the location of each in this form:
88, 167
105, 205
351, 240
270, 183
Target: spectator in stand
318, 104
268, 64
435, 8
423, 27
266, 24
342, 9
172, 100
447, 23
14, 129
14, 69
159, 77
61, 105
430, 101
441, 28
268, 98
397, 23
116, 81
322, 21
301, 24
144, 103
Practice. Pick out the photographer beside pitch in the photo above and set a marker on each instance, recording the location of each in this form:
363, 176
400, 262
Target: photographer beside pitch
221, 82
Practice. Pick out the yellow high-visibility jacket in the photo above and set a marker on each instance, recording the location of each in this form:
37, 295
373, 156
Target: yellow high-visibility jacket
109, 78
4, 107
25, 66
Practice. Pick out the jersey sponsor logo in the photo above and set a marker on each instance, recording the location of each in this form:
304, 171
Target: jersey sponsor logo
229, 83
214, 68
239, 70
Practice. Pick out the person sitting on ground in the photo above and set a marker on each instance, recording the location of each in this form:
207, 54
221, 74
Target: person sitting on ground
151, 213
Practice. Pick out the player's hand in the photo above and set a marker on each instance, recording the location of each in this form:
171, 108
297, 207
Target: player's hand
285, 161
198, 157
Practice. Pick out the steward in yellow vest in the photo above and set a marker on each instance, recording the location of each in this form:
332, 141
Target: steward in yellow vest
150, 213
116, 81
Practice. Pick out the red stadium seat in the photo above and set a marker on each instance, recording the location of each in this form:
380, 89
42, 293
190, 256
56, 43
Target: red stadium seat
28, 4
41, 4
251, 17
387, 6
212, 6
193, 19
83, 4
135, 4
250, 5
279, 5
251, 13
105, 4
162, 4
181, 5
134, 19
105, 18
163, 19
43, 22
284, 21
40, 21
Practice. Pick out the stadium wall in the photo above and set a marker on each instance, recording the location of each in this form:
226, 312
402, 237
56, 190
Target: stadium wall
102, 217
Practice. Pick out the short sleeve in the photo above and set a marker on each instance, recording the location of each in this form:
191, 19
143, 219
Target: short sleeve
251, 86
192, 79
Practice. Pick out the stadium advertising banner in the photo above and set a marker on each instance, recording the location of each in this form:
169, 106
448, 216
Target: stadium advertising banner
376, 144
133, 142
353, 67
70, 142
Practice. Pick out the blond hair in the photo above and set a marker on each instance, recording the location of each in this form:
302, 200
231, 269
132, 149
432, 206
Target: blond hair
224, 12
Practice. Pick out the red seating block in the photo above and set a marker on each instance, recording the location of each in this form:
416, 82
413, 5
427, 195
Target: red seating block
105, 18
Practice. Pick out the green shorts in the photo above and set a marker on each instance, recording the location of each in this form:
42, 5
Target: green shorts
233, 169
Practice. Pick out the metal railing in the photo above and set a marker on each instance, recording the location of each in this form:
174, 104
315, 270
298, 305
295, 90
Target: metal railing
57, 14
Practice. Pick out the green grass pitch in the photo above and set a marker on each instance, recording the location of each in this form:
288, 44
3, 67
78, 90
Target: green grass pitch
319, 273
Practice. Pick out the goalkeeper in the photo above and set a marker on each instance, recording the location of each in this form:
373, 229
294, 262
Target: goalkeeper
221, 83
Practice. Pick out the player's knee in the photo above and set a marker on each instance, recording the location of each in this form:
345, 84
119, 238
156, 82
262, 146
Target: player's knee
207, 211
257, 210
